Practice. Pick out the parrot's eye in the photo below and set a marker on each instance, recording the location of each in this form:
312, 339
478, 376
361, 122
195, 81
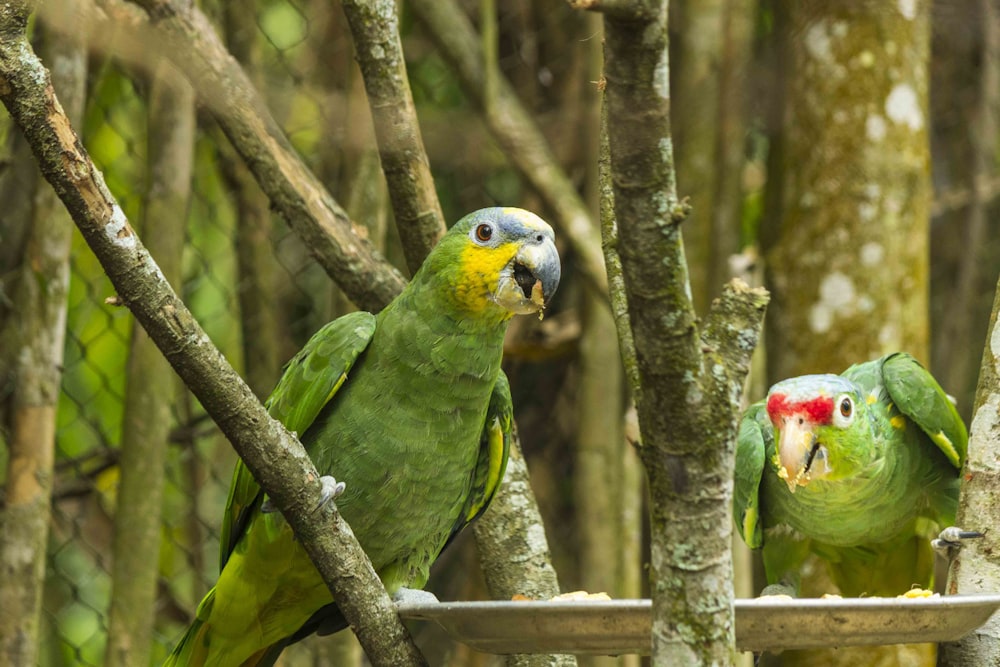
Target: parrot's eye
846, 407
845, 411
484, 233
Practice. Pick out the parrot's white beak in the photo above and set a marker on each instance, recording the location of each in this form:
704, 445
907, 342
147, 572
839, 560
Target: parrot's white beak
800, 457
528, 282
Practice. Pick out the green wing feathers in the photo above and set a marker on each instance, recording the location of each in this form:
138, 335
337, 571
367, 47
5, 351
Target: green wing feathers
918, 396
494, 450
750, 456
309, 381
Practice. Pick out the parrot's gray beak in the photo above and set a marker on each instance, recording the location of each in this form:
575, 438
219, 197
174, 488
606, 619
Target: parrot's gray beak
801, 457
528, 282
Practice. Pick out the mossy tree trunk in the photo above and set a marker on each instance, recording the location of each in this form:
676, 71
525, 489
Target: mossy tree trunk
845, 235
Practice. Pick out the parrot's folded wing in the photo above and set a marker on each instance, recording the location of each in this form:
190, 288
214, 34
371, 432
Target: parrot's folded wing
917, 395
309, 381
751, 449
494, 449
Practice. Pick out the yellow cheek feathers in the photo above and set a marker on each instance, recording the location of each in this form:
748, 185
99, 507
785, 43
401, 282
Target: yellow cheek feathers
480, 274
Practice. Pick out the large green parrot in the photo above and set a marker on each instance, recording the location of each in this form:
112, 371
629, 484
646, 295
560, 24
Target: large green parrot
860, 469
410, 410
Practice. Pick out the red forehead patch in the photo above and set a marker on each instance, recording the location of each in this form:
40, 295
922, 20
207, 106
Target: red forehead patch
817, 410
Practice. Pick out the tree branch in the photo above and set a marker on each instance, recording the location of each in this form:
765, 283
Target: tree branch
375, 28
276, 459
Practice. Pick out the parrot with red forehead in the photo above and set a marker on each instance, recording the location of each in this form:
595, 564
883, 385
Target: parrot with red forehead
860, 469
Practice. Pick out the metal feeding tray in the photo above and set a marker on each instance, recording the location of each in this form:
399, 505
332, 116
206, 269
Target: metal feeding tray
623, 626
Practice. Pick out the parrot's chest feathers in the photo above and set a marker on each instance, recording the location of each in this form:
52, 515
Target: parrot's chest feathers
406, 428
872, 505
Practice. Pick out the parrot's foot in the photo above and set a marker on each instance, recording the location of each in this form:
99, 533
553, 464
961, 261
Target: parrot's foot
949, 541
330, 489
414, 596
783, 591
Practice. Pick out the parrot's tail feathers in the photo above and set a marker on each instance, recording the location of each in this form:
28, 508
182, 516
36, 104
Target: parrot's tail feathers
326, 621
192, 649
266, 657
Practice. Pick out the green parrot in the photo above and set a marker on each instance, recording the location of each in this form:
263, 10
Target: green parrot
860, 469
410, 409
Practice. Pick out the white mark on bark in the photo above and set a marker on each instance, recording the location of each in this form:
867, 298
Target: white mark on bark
836, 297
661, 76
818, 42
867, 211
995, 348
908, 8
875, 127
118, 230
902, 106
985, 427
888, 336
872, 253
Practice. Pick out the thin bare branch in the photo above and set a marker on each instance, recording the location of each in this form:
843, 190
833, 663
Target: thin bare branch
375, 27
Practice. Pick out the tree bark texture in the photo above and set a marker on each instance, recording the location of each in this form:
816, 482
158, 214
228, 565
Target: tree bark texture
36, 332
149, 384
977, 567
690, 376
514, 551
514, 130
845, 230
276, 459
375, 27
845, 233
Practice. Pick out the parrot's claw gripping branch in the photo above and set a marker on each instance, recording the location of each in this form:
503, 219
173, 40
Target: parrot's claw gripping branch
950, 540
330, 489
413, 596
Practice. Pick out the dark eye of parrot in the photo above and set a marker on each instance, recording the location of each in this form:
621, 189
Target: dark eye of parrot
484, 233
846, 407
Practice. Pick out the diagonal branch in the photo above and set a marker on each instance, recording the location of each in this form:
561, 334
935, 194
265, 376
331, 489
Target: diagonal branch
375, 27
274, 456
